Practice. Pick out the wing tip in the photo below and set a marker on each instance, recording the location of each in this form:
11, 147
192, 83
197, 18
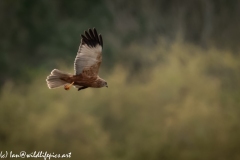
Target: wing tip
91, 37
100, 39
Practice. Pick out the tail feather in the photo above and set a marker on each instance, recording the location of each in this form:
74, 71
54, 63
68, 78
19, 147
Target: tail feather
54, 79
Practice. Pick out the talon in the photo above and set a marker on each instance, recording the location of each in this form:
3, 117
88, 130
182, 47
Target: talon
68, 86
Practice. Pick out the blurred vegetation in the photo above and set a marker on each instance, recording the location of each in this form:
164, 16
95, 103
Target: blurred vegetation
172, 69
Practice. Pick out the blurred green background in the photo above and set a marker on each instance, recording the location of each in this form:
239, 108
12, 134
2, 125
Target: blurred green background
173, 69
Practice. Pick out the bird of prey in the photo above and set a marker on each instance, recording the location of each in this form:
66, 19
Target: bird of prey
86, 65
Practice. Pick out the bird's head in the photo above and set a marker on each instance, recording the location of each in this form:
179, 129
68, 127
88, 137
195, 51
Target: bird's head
103, 83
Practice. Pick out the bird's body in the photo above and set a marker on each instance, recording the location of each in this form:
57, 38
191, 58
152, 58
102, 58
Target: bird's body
86, 65
79, 80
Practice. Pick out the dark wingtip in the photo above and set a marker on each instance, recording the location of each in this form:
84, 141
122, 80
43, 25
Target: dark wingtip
91, 37
86, 41
83, 37
89, 30
100, 40
94, 29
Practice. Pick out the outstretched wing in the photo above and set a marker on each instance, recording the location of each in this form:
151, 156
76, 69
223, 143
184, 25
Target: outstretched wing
89, 56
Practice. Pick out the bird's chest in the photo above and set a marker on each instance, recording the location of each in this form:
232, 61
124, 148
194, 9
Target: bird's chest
85, 81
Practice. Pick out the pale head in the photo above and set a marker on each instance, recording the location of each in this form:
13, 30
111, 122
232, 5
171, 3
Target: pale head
101, 83
104, 84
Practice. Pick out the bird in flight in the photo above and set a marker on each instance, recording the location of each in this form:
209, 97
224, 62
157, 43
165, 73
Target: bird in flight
86, 65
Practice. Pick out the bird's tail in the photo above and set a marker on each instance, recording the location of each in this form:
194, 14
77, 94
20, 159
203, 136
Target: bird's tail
54, 80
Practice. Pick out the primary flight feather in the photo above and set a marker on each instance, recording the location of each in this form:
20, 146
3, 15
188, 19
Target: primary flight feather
86, 65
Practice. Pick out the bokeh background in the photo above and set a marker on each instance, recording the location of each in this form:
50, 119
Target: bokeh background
173, 69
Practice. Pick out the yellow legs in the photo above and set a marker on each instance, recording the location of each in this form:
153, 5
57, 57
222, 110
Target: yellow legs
67, 86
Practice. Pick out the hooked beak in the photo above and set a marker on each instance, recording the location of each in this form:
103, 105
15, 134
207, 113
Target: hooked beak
107, 86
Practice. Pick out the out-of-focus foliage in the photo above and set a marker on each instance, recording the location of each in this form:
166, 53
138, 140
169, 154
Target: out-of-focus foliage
173, 70
39, 33
186, 107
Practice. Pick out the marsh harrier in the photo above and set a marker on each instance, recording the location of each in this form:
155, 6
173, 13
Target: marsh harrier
86, 65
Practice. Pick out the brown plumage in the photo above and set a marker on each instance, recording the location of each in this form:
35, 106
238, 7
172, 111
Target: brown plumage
86, 65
